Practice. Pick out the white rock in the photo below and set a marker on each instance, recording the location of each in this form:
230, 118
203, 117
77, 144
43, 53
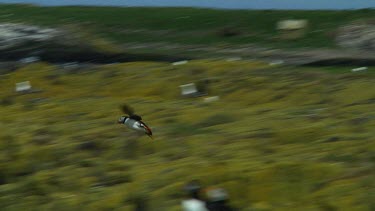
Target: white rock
180, 62
276, 62
23, 86
359, 69
233, 59
12, 34
291, 24
188, 89
30, 59
211, 99
357, 36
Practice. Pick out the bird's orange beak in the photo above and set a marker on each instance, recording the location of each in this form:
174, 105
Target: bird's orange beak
148, 131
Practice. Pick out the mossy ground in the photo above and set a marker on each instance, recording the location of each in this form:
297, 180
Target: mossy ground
279, 138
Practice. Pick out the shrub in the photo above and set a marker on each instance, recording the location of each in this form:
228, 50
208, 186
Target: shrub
228, 32
42, 136
182, 129
130, 148
216, 119
7, 101
116, 177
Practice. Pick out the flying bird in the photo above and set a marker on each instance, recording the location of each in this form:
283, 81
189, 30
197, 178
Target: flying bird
133, 121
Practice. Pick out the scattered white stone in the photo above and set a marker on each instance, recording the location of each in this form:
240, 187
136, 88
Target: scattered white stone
233, 59
188, 89
23, 86
180, 62
70, 65
359, 69
276, 62
28, 60
291, 24
211, 99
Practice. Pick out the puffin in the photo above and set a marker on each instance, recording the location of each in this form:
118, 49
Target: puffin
133, 121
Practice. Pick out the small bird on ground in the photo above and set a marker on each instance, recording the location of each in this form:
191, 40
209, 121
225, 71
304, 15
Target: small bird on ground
134, 121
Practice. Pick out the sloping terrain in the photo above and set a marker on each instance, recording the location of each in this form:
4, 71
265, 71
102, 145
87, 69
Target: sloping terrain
279, 138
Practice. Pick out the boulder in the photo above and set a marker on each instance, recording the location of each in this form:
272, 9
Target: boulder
13, 35
357, 36
27, 43
292, 29
23, 87
291, 24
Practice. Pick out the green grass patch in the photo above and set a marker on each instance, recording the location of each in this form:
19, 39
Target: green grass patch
289, 138
187, 25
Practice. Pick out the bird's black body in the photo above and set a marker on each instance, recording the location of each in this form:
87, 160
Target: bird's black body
135, 117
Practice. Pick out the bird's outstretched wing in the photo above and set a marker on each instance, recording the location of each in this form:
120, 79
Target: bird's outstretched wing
135, 117
130, 111
127, 110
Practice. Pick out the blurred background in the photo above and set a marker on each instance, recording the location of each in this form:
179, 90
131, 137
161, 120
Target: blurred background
253, 105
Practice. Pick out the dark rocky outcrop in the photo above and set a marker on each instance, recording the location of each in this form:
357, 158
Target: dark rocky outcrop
19, 42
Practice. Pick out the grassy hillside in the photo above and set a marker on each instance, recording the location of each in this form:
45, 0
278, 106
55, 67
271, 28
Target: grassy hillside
188, 25
279, 138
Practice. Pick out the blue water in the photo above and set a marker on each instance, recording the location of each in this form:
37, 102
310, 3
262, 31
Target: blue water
224, 4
